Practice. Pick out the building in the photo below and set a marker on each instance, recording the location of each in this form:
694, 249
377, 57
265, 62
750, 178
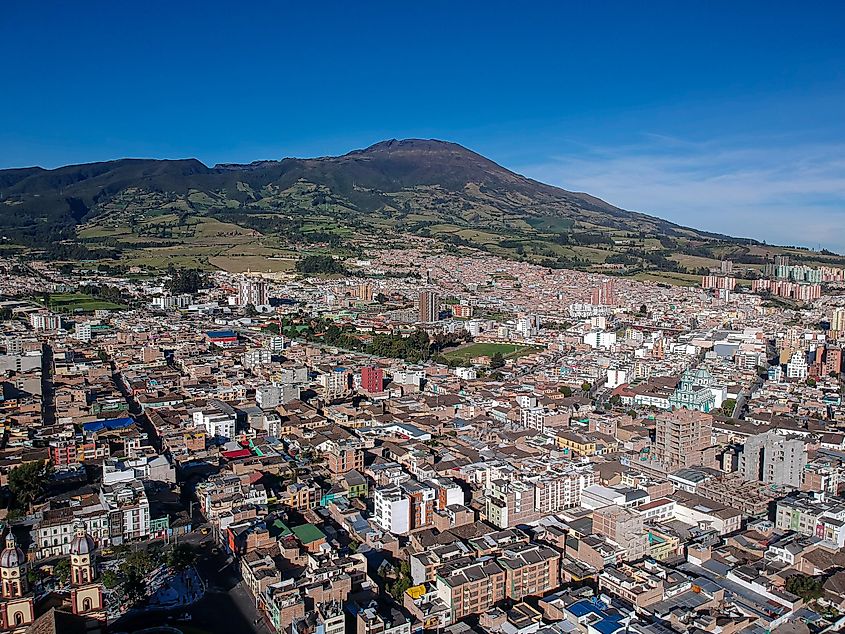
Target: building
256, 357
604, 294
683, 439
694, 391
252, 292
392, 510
86, 594
469, 586
837, 321
336, 382
600, 339
372, 379
813, 514
17, 610
344, 456
797, 368
623, 527
429, 307
128, 510
82, 331
530, 570
718, 282
44, 321
365, 293
218, 418
774, 459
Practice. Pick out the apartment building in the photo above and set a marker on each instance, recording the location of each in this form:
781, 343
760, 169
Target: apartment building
683, 438
128, 510
530, 570
218, 418
813, 514
468, 586
624, 527
392, 510
775, 459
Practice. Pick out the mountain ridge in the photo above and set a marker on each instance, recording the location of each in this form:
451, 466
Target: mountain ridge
421, 186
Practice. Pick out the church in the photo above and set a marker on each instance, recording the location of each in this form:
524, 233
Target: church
81, 605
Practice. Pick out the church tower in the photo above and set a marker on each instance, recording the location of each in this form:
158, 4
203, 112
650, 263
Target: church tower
16, 608
86, 595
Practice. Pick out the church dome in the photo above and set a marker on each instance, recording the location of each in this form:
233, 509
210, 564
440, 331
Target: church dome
12, 556
82, 543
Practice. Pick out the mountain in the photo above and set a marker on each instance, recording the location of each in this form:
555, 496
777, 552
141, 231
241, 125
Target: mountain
425, 187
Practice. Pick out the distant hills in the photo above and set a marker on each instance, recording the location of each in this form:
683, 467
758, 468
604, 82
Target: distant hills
423, 187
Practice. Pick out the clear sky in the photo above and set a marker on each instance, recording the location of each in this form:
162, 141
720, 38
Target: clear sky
728, 116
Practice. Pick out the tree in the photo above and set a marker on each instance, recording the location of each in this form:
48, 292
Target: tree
380, 298
251, 311
28, 482
398, 586
181, 556
728, 406
61, 571
497, 360
565, 390
806, 587
185, 280
319, 264
110, 579
643, 309
811, 382
135, 586
586, 386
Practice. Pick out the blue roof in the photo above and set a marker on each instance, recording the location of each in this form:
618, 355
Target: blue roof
110, 424
582, 608
220, 334
608, 626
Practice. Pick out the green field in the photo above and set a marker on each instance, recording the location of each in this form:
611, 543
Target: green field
78, 302
507, 350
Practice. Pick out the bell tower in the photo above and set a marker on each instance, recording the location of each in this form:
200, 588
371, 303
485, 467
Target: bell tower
16, 607
86, 595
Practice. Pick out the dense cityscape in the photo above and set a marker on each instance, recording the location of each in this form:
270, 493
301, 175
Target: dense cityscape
414, 440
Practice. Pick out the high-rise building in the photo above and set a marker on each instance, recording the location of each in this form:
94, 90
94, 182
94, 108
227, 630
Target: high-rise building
833, 360
727, 267
604, 294
683, 439
773, 459
429, 306
365, 292
252, 292
44, 321
372, 379
837, 321
719, 282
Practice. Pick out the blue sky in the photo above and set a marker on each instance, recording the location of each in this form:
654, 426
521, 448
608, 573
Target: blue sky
721, 115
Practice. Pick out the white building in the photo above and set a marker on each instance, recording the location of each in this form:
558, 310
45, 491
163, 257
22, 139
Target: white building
44, 321
466, 373
797, 366
392, 510
218, 419
82, 331
600, 339
257, 356
615, 378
